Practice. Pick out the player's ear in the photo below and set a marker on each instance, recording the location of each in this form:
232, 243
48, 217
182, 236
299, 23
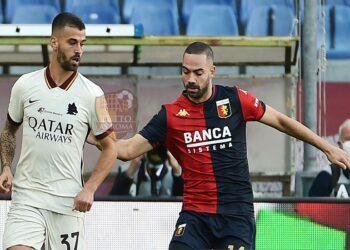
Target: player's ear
213, 71
54, 43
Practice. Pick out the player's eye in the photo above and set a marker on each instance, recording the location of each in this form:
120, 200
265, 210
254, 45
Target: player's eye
199, 73
185, 71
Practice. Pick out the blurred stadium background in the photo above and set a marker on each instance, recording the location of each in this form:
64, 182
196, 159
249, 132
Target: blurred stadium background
134, 51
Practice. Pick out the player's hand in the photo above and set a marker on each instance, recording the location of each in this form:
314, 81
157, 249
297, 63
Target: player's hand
174, 164
6, 178
339, 157
83, 201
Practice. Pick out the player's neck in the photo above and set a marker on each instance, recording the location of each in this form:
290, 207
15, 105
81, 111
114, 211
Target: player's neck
58, 74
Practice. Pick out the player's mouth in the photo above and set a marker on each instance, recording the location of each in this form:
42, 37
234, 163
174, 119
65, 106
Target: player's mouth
76, 59
192, 90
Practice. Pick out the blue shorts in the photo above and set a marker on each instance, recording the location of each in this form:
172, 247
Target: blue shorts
207, 231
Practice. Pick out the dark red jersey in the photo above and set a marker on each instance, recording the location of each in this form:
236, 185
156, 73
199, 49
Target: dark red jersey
209, 141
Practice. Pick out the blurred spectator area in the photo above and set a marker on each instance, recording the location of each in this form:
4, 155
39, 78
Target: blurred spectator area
160, 17
192, 18
182, 18
195, 17
172, 17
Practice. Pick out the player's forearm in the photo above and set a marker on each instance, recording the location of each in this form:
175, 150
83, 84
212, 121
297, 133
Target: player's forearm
133, 147
103, 167
133, 167
293, 128
302, 132
124, 153
7, 147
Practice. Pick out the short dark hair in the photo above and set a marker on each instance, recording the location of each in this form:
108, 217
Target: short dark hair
67, 19
199, 48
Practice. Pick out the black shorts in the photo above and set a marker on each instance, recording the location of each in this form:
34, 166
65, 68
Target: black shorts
214, 231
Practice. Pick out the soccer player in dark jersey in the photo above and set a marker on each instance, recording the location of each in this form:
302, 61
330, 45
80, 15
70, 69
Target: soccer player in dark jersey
205, 130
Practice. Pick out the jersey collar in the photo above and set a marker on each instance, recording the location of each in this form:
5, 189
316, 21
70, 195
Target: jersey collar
52, 84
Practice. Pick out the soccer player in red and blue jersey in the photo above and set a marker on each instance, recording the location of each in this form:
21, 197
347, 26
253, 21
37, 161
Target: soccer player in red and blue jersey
205, 129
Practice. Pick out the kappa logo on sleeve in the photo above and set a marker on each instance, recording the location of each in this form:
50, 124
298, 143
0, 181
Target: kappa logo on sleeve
245, 92
180, 230
256, 103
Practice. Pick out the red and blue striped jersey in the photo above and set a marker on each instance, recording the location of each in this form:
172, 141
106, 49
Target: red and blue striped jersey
209, 142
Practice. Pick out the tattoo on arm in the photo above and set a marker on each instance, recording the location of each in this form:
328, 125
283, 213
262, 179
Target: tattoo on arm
8, 144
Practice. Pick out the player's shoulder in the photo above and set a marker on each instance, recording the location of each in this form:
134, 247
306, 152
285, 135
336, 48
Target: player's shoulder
181, 100
224, 91
88, 85
28, 79
225, 88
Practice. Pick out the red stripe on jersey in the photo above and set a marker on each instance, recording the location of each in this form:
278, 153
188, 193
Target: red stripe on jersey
252, 108
184, 119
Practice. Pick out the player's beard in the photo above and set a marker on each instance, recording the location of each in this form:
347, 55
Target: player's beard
200, 91
66, 63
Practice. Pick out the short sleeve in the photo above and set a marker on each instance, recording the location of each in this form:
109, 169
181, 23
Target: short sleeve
100, 121
16, 105
252, 108
155, 129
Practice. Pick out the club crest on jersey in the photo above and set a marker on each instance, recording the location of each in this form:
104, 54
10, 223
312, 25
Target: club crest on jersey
180, 230
224, 108
72, 109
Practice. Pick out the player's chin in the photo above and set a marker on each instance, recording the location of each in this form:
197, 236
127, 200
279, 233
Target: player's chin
74, 66
75, 61
194, 94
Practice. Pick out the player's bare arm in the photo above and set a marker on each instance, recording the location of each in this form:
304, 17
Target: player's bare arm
134, 166
133, 147
91, 139
8, 143
84, 199
127, 149
7, 153
174, 164
294, 128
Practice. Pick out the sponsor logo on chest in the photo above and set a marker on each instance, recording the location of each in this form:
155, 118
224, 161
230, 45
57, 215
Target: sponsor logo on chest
208, 139
51, 130
51, 125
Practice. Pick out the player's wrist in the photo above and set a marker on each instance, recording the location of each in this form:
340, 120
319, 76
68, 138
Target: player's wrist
5, 167
91, 188
177, 172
